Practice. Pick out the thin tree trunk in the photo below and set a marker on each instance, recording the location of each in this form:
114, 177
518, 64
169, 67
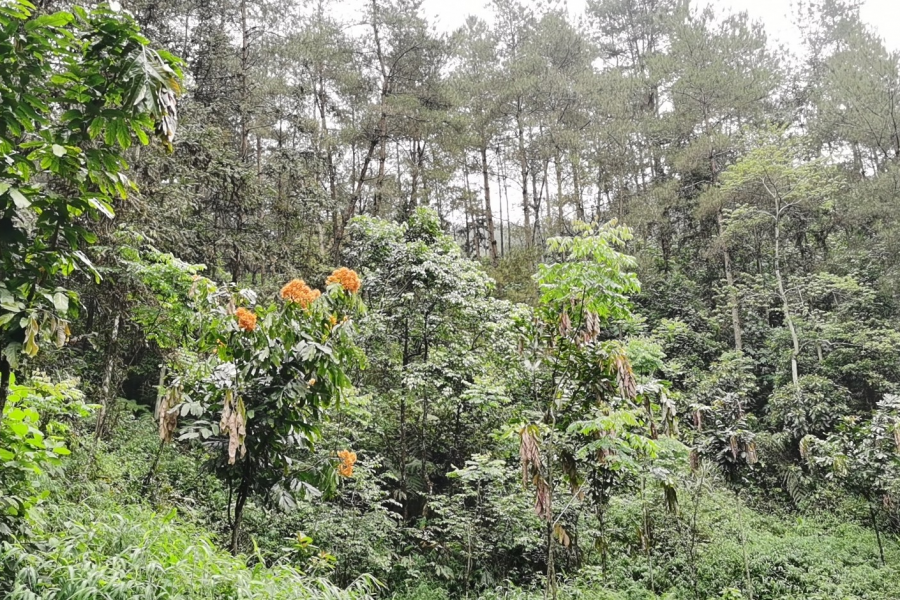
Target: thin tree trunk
488, 213
648, 542
545, 185
160, 394
795, 352
382, 125
379, 178
748, 581
692, 545
5, 376
732, 292
403, 460
326, 149
240, 502
418, 150
424, 436
536, 198
579, 201
350, 210
151, 472
523, 166
500, 185
877, 532
245, 60
258, 155
504, 197
470, 214
550, 591
601, 517
386, 87
106, 386
557, 166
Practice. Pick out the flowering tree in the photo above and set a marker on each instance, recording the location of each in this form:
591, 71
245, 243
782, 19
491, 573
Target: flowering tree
260, 386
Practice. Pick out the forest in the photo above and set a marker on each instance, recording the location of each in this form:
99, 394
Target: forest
307, 299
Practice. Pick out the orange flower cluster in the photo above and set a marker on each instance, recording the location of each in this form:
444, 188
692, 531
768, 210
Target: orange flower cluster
332, 320
297, 291
246, 319
348, 279
348, 459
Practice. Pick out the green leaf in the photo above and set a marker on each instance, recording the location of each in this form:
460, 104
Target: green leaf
58, 19
96, 127
59, 150
61, 302
19, 198
103, 207
140, 133
18, 428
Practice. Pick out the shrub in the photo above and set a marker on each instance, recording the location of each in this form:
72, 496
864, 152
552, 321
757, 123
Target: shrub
36, 422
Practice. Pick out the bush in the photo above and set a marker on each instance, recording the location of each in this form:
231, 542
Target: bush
33, 434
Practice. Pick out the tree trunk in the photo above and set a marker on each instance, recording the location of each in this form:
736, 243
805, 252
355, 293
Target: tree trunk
326, 149
386, 86
471, 215
240, 502
245, 60
557, 166
748, 581
550, 591
350, 210
488, 213
382, 125
500, 186
877, 532
418, 150
379, 179
545, 185
151, 472
536, 198
523, 166
692, 544
106, 386
5, 376
601, 519
795, 351
576, 183
648, 541
732, 292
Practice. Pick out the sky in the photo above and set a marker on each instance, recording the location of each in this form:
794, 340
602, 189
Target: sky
881, 15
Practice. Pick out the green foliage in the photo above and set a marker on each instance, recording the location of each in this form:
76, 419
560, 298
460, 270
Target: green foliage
117, 553
75, 87
160, 292
487, 426
862, 454
814, 409
594, 274
34, 433
513, 274
724, 429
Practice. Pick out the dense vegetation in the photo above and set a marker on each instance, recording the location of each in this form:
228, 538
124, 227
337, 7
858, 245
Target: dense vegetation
297, 306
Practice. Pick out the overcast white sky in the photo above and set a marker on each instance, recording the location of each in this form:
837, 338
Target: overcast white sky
882, 15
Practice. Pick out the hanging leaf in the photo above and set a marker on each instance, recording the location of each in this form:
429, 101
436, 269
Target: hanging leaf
234, 424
